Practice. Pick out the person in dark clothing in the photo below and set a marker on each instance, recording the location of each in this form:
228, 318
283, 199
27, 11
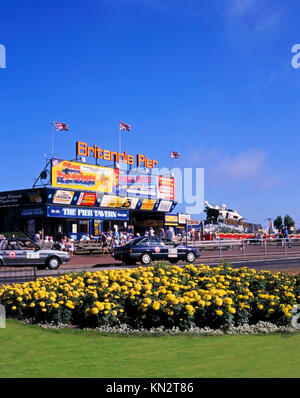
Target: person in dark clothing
103, 240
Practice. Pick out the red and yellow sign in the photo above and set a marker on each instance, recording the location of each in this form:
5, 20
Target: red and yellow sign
166, 188
86, 199
75, 175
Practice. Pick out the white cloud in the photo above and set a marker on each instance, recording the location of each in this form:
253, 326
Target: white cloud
250, 16
246, 170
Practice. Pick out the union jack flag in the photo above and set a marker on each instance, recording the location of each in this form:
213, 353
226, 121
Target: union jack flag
61, 126
174, 155
124, 126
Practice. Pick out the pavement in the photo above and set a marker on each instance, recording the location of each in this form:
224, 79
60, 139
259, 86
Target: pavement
288, 262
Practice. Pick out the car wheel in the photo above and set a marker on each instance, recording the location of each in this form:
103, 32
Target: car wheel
53, 263
146, 259
190, 257
1, 263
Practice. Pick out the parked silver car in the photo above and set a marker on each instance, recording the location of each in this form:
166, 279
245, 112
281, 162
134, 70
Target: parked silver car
14, 252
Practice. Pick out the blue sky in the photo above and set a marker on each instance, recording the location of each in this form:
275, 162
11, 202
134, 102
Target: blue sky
212, 80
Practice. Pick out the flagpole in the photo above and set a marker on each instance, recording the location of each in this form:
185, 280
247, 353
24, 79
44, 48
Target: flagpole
52, 140
119, 139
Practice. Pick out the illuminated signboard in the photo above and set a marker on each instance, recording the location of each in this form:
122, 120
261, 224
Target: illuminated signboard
63, 197
183, 218
75, 175
77, 212
15, 198
166, 187
87, 199
131, 184
171, 219
115, 201
164, 205
148, 204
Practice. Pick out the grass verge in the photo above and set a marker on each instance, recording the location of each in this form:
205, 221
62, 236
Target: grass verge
31, 351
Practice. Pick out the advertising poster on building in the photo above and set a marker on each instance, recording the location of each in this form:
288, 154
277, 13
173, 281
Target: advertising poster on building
166, 188
131, 184
86, 199
171, 220
164, 205
75, 175
148, 204
116, 201
63, 197
183, 218
15, 198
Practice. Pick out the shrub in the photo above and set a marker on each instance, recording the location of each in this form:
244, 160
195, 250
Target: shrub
161, 296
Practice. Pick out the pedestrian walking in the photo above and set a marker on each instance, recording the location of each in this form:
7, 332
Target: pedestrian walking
103, 240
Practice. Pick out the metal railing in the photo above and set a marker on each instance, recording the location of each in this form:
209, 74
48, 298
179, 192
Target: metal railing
245, 247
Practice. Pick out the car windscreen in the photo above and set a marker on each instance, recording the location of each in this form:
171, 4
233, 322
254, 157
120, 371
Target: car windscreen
27, 245
155, 241
11, 245
168, 242
140, 241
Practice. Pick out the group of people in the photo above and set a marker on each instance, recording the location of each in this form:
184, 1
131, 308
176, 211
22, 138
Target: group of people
67, 244
112, 239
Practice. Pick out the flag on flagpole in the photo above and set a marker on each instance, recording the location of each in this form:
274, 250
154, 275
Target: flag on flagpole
61, 126
174, 155
124, 126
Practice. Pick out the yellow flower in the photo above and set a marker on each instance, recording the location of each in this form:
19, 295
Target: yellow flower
156, 305
232, 310
219, 312
94, 310
219, 301
147, 300
42, 304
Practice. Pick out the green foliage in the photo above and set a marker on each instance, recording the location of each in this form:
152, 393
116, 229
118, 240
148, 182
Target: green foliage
278, 222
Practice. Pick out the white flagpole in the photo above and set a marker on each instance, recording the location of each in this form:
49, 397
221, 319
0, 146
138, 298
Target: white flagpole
52, 153
119, 139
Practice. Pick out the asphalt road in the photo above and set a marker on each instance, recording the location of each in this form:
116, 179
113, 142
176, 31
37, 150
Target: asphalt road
289, 264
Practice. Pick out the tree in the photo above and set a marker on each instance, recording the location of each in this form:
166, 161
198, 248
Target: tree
289, 222
278, 222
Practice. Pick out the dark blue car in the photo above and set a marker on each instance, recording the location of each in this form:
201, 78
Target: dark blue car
146, 249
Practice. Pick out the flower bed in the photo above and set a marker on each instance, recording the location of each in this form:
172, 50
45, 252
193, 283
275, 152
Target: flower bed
161, 296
